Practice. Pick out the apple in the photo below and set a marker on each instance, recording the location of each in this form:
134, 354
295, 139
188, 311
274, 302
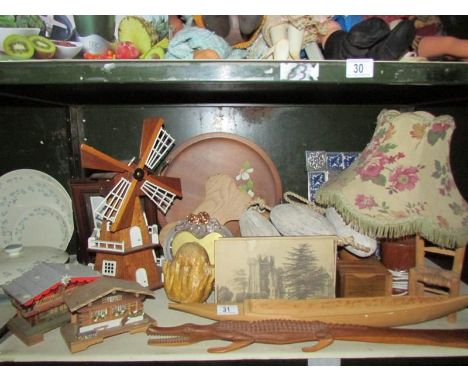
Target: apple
126, 50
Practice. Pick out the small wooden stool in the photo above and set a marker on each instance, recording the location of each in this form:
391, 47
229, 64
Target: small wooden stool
429, 279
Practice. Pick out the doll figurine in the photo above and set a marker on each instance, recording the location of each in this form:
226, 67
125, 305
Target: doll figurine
453, 40
371, 38
238, 31
438, 36
437, 46
390, 37
287, 35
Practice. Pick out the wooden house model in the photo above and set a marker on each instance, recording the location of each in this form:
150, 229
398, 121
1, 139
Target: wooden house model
37, 296
102, 309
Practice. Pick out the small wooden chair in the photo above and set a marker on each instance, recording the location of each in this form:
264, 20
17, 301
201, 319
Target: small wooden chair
435, 280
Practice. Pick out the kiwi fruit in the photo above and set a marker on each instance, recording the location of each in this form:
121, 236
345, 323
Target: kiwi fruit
18, 46
44, 48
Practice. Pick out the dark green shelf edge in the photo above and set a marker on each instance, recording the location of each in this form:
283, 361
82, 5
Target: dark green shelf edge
83, 72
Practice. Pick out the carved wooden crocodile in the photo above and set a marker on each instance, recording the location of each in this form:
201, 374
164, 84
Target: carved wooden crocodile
243, 333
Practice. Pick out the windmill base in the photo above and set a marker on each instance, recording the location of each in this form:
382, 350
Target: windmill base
136, 266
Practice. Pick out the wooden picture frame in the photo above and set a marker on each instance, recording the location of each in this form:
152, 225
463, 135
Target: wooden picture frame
274, 267
82, 193
82, 190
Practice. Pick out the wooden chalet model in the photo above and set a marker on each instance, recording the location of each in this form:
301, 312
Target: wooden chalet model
105, 308
38, 298
124, 244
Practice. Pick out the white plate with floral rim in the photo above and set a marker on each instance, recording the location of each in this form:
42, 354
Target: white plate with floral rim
41, 226
22, 190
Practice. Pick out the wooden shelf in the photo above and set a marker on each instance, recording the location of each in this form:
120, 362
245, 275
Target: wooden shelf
163, 82
134, 347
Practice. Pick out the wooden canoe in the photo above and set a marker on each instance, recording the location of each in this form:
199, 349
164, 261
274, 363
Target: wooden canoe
371, 311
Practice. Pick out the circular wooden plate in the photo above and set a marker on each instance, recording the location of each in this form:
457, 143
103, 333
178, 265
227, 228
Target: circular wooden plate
205, 155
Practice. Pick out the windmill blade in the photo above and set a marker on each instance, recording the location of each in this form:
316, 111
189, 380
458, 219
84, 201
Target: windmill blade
160, 196
111, 204
124, 216
97, 160
168, 183
160, 142
149, 125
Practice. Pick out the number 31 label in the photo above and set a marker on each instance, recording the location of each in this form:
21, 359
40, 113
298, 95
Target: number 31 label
227, 310
360, 68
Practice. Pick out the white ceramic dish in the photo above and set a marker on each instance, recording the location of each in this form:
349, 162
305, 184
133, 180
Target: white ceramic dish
67, 52
5, 32
25, 189
42, 226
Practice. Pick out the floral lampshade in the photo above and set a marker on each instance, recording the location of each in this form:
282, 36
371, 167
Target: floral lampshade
401, 184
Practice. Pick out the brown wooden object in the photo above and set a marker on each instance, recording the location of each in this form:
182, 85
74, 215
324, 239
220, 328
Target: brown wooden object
363, 278
102, 309
38, 294
124, 243
128, 264
423, 278
370, 311
189, 277
206, 155
224, 200
242, 334
398, 254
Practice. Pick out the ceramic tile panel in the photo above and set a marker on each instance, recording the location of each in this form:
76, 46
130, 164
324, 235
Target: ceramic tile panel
323, 166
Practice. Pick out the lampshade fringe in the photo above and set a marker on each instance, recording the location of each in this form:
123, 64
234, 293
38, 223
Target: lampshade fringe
409, 227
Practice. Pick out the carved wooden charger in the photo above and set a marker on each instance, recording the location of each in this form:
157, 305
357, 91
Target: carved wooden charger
206, 155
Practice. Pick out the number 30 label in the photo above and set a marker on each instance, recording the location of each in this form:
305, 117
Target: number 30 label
360, 68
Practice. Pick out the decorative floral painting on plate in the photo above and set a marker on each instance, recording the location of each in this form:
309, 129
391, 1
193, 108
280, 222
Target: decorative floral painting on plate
274, 267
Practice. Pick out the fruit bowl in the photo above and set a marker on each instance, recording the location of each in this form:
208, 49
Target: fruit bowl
67, 49
5, 32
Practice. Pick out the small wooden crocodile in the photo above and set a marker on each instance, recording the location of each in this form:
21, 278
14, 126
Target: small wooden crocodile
244, 333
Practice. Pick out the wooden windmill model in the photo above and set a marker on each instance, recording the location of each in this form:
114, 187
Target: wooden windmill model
124, 243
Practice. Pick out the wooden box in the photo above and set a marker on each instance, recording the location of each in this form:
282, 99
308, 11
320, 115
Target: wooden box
362, 278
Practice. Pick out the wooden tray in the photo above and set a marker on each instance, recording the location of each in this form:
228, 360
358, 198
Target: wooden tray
205, 155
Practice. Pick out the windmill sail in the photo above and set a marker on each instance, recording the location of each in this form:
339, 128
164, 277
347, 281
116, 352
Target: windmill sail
159, 149
118, 206
110, 205
161, 197
97, 160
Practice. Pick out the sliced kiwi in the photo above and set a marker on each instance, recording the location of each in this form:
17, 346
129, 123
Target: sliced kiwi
18, 46
44, 48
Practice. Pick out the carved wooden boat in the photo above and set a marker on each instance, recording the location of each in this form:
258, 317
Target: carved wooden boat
371, 311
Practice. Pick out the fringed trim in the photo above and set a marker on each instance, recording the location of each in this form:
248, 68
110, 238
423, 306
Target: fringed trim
367, 226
